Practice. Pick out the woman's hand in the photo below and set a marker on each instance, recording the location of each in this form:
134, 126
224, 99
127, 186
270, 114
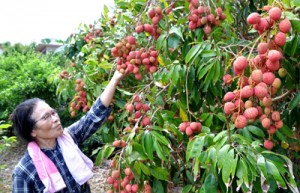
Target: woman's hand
118, 76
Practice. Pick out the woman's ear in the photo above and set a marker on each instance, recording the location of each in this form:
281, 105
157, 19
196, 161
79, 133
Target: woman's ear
33, 133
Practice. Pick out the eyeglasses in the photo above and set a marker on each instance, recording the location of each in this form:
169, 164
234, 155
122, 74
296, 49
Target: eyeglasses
47, 116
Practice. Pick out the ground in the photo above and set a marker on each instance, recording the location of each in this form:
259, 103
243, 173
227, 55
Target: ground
12, 155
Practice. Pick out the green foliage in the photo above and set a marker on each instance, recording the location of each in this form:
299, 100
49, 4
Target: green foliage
25, 74
188, 86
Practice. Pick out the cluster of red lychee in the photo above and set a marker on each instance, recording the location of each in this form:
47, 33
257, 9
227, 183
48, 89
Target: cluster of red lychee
253, 97
79, 100
129, 59
93, 32
138, 109
122, 185
262, 24
119, 143
202, 17
190, 128
64, 75
155, 15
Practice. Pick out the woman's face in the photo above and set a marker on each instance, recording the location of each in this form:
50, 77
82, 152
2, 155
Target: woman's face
47, 122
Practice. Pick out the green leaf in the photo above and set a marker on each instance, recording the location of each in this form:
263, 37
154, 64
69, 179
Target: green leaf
187, 188
204, 71
210, 184
159, 151
162, 139
255, 130
145, 169
272, 170
160, 173
148, 144
5, 126
221, 155
296, 25
209, 120
295, 102
227, 168
173, 41
193, 52
208, 53
221, 116
161, 41
261, 162
194, 147
105, 152
176, 30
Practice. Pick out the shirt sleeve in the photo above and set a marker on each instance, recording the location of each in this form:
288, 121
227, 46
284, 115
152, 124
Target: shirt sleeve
88, 124
19, 185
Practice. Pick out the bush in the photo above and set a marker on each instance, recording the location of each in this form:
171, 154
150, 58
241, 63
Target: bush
26, 74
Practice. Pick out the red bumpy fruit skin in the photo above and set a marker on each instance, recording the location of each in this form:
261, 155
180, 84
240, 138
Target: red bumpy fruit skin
275, 13
240, 122
257, 75
285, 25
240, 63
268, 144
251, 113
268, 78
280, 38
262, 48
229, 108
266, 123
253, 18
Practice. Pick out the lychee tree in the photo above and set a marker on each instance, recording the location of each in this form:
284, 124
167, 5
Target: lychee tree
212, 99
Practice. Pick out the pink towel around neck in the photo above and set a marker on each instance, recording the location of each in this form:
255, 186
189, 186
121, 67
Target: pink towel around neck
79, 165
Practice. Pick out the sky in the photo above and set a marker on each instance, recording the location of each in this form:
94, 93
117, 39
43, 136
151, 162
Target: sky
27, 21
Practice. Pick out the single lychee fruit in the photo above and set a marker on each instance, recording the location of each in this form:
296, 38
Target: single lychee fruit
229, 96
266, 122
253, 18
248, 104
262, 47
257, 76
285, 25
207, 29
246, 91
146, 121
189, 131
274, 55
268, 77
251, 113
278, 124
272, 130
275, 13
267, 101
280, 38
240, 63
275, 116
182, 126
272, 66
228, 108
239, 104
260, 91
227, 79
194, 126
268, 144
240, 122
276, 83
130, 107
282, 72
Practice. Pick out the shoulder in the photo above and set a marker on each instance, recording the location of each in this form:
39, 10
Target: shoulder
25, 168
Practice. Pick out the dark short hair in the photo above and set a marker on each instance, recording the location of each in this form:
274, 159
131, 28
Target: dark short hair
23, 124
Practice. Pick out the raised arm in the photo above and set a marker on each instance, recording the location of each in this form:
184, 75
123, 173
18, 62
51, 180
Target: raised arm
109, 91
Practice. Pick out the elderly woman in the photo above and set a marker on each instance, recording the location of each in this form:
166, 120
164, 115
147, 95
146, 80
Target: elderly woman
53, 162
